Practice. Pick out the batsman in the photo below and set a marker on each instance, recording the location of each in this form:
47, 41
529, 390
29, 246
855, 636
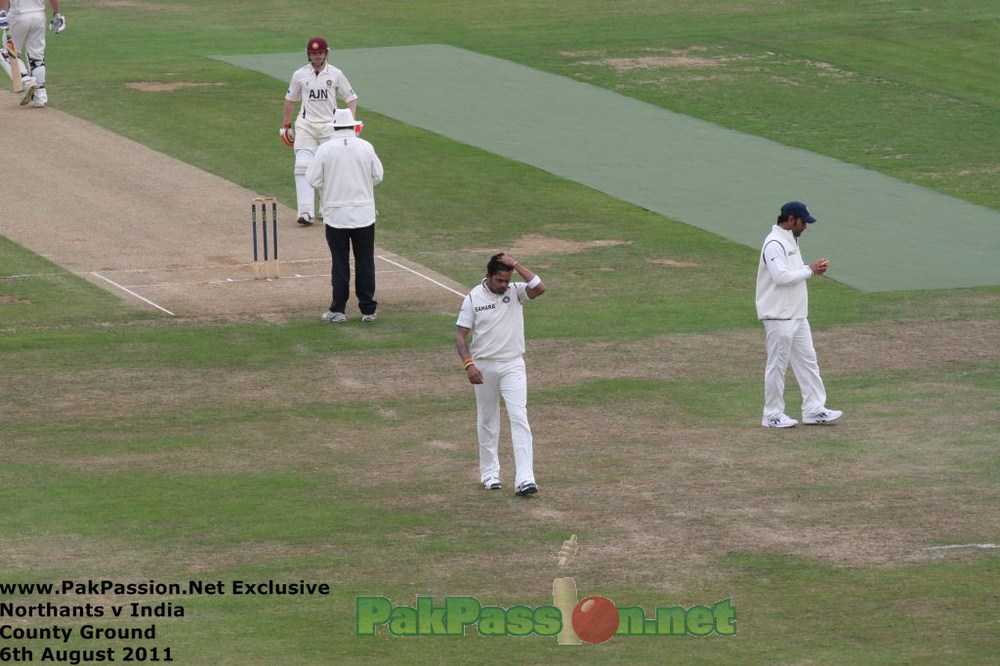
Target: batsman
26, 21
317, 86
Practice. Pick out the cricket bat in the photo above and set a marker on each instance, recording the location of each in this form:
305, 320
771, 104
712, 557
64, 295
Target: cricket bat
12, 64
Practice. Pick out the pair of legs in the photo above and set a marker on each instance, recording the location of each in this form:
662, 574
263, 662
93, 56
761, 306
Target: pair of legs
506, 379
362, 241
789, 342
28, 32
308, 137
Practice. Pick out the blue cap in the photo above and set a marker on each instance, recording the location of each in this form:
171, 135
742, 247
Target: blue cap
797, 209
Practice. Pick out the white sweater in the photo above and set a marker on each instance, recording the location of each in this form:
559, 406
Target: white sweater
781, 278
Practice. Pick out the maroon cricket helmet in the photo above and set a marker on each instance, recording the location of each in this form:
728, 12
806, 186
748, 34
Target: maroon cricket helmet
317, 45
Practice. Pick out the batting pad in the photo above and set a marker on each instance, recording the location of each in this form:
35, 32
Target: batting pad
880, 233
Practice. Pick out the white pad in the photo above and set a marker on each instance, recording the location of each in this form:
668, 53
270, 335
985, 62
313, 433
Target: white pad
302, 161
304, 194
39, 74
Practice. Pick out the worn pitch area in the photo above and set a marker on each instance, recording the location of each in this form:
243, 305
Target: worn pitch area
170, 237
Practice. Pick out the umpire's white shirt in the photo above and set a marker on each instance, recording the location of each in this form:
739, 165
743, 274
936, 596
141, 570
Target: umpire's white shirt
496, 321
781, 278
346, 171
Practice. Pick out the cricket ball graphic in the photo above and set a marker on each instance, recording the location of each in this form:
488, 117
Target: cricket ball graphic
595, 619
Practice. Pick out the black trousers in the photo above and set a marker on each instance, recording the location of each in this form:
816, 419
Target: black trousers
341, 242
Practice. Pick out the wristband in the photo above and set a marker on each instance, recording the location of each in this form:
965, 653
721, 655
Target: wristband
534, 282
468, 363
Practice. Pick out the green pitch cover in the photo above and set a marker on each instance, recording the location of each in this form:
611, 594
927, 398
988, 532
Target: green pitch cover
881, 234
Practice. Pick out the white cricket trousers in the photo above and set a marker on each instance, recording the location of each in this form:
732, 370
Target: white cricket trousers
28, 31
308, 138
790, 341
507, 379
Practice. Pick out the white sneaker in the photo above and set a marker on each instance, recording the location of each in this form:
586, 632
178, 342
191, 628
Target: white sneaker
305, 219
334, 317
491, 483
368, 318
30, 87
822, 416
779, 421
41, 98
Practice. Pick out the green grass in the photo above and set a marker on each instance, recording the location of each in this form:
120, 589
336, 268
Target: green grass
51, 295
137, 449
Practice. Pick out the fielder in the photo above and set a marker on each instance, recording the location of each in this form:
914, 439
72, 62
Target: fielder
783, 308
317, 85
27, 27
493, 313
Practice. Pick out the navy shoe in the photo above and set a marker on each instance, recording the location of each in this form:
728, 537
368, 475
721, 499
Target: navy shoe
526, 488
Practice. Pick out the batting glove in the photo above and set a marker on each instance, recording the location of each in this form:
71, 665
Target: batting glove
4, 21
287, 134
57, 24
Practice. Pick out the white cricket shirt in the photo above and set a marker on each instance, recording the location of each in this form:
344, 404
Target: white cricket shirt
26, 6
318, 92
496, 321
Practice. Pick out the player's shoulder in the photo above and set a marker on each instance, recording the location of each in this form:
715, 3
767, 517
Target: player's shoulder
776, 236
477, 292
774, 244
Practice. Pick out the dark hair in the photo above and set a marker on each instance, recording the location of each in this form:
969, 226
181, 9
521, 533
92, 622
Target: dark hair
496, 266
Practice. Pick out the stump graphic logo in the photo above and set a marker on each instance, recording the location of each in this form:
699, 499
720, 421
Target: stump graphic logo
592, 620
597, 619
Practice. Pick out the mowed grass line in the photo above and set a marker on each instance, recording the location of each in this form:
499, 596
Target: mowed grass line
137, 448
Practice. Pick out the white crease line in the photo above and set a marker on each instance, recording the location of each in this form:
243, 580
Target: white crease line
429, 279
213, 266
129, 291
226, 280
966, 545
34, 275
231, 280
234, 280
